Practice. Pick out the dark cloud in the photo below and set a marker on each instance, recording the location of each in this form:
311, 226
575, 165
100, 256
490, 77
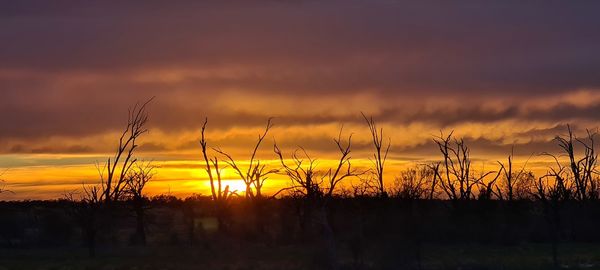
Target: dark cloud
392, 45
71, 69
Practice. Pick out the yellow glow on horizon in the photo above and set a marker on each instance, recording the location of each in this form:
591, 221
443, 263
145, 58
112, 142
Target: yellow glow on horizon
183, 178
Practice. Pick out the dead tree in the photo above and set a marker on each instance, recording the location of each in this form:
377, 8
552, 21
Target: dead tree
113, 173
96, 199
316, 188
487, 189
221, 196
582, 170
302, 173
344, 167
136, 181
256, 174
455, 177
555, 184
311, 183
380, 155
511, 180
254, 178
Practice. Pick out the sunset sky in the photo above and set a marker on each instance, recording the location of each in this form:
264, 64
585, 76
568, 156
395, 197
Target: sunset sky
501, 74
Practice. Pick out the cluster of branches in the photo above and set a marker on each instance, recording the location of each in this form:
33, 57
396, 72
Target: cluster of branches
122, 179
578, 179
256, 173
453, 177
310, 182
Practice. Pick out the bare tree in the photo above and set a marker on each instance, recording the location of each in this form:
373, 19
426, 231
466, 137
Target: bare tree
487, 189
256, 174
113, 178
302, 172
414, 183
221, 196
511, 180
344, 167
456, 177
380, 155
135, 182
582, 170
316, 188
254, 178
311, 183
113, 173
575, 181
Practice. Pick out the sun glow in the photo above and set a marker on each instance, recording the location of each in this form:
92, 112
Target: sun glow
235, 185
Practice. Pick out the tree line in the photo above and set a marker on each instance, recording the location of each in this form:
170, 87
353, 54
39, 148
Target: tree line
453, 179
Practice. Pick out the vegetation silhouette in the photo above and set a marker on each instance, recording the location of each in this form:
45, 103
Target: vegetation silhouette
424, 219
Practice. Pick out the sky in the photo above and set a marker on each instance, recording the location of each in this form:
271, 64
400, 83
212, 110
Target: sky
502, 74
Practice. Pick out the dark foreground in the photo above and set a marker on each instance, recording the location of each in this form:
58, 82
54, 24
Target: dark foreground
351, 233
474, 256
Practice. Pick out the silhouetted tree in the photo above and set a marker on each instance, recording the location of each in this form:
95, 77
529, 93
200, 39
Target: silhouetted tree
316, 188
311, 183
113, 173
97, 199
575, 181
135, 182
221, 196
380, 155
512, 181
344, 167
582, 170
254, 177
455, 176
414, 183
256, 174
523, 188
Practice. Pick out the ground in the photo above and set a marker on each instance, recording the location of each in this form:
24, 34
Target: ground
524, 256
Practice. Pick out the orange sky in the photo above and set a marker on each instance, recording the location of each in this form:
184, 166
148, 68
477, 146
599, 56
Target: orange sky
181, 173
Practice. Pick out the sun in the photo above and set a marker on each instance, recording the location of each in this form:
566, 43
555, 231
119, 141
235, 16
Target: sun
236, 185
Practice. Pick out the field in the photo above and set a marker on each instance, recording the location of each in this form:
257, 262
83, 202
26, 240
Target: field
367, 233
234, 257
